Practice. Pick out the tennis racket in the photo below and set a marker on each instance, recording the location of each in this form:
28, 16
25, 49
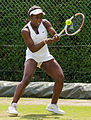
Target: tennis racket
75, 27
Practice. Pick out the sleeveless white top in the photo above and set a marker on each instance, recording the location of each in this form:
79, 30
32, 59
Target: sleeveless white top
43, 54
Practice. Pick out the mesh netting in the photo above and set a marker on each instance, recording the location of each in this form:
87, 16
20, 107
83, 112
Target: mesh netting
73, 53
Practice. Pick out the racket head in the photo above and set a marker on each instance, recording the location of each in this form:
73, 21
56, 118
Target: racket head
77, 23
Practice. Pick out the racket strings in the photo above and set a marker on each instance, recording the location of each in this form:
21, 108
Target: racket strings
76, 24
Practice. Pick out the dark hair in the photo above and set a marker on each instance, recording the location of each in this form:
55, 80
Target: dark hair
31, 9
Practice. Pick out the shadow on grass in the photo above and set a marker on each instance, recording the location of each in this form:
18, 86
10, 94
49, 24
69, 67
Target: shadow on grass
40, 116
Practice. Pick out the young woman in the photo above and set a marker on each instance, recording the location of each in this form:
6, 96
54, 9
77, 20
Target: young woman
38, 55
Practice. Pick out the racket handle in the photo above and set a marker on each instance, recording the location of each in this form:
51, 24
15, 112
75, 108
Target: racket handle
60, 34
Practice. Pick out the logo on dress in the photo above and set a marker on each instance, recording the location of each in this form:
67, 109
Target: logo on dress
43, 31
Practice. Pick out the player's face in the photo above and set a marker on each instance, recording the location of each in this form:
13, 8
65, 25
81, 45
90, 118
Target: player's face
36, 19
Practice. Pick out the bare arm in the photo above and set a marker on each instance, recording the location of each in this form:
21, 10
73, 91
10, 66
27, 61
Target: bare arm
52, 31
29, 42
49, 27
35, 47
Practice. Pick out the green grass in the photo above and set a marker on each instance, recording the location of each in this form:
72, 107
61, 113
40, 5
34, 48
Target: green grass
38, 112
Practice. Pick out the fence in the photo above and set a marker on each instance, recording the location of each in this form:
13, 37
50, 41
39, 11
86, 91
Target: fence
72, 53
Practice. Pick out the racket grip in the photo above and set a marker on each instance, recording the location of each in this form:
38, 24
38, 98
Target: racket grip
58, 35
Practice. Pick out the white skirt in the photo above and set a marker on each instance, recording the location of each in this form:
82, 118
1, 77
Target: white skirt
38, 58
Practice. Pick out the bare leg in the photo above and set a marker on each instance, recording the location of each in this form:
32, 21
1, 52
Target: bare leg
54, 70
30, 67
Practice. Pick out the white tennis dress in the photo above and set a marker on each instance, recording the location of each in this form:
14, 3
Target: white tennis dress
43, 54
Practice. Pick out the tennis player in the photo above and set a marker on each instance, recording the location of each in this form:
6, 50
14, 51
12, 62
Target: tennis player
38, 55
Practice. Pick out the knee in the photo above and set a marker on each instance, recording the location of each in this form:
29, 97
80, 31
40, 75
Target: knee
26, 80
60, 78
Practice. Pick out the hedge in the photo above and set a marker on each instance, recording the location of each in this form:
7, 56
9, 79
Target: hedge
72, 53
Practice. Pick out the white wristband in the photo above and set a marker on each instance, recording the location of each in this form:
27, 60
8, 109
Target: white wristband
44, 42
